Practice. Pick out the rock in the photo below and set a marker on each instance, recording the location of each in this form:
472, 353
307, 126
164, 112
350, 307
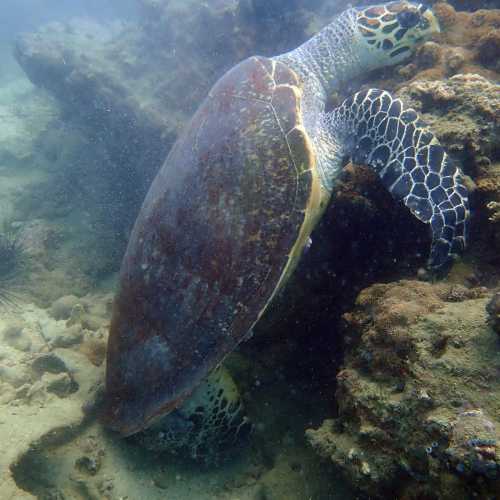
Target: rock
15, 335
89, 465
454, 60
38, 238
418, 396
13, 375
32, 423
462, 111
472, 6
91, 460
101, 307
129, 90
50, 363
428, 55
71, 336
95, 350
7, 394
488, 49
92, 323
63, 306
472, 448
60, 384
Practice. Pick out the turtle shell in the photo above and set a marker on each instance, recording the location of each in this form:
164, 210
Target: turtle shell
220, 230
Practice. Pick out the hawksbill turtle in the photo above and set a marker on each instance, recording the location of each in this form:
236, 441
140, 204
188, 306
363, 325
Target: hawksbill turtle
231, 210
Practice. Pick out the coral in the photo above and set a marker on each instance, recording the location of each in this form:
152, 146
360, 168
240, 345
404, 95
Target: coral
418, 396
488, 49
463, 111
428, 54
473, 32
11, 252
458, 48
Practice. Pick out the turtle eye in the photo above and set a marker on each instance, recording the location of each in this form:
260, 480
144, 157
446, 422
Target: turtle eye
408, 19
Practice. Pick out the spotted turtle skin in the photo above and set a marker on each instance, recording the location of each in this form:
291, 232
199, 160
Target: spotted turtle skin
219, 232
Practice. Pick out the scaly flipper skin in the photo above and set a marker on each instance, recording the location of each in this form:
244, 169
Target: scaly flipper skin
378, 131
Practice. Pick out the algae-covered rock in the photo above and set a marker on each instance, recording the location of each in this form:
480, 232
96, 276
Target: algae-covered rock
418, 395
463, 111
62, 307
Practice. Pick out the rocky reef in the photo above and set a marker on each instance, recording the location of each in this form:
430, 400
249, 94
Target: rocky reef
418, 394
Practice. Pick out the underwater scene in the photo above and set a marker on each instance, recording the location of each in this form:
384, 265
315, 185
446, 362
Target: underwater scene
249, 250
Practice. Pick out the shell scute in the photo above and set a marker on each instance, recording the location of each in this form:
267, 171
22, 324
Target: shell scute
301, 149
283, 76
286, 105
253, 82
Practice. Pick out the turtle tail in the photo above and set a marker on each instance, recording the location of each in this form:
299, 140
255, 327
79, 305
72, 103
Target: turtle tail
375, 129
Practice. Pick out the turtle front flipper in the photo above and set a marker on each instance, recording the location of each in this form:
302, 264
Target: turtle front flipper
375, 129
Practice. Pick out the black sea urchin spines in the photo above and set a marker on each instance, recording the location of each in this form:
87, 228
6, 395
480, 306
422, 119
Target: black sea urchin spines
12, 261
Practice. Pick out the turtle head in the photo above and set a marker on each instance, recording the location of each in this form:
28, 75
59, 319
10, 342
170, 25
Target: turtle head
391, 31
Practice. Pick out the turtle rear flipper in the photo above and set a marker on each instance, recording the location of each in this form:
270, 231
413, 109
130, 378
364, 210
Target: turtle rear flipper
209, 428
375, 129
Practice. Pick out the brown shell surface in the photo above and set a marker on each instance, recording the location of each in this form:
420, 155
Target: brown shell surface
216, 234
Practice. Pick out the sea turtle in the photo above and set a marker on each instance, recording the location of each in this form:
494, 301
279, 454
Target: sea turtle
231, 210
